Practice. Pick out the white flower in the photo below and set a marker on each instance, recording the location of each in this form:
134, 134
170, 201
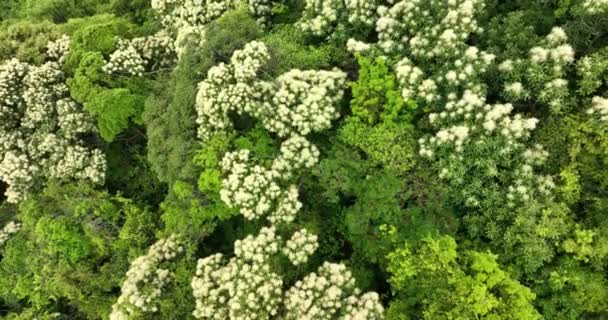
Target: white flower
41, 128
145, 279
9, 229
599, 108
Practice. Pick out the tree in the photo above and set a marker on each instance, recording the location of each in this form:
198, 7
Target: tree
432, 280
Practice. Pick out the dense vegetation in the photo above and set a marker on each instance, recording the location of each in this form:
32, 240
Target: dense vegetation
303, 159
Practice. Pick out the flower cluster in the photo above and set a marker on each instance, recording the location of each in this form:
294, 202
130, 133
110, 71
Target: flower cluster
261, 9
298, 102
437, 67
320, 16
542, 75
599, 108
227, 89
142, 54
297, 153
41, 129
177, 14
257, 191
193, 37
183, 24
125, 60
460, 74
471, 116
254, 190
9, 229
58, 50
146, 279
363, 11
304, 101
243, 288
330, 293
427, 28
526, 184
595, 6
301, 246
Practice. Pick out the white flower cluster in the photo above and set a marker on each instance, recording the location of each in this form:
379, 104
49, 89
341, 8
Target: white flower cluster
472, 116
526, 182
320, 16
297, 153
146, 279
599, 108
138, 55
261, 9
427, 28
462, 73
125, 60
298, 102
189, 37
363, 11
301, 246
227, 89
177, 14
57, 50
304, 101
40, 130
245, 287
556, 50
183, 24
330, 294
9, 229
542, 74
257, 191
595, 6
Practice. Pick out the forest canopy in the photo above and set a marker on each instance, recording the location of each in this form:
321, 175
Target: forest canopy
303, 159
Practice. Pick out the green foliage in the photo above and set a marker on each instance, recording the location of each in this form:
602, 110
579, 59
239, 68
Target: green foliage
115, 102
376, 94
432, 280
26, 40
592, 72
129, 171
169, 117
380, 124
61, 10
511, 35
227, 34
568, 290
373, 201
289, 50
97, 34
388, 143
170, 114
74, 246
113, 109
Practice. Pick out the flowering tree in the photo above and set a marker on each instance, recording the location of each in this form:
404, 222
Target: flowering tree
145, 280
472, 284
41, 127
183, 24
9, 229
246, 287
479, 148
320, 17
